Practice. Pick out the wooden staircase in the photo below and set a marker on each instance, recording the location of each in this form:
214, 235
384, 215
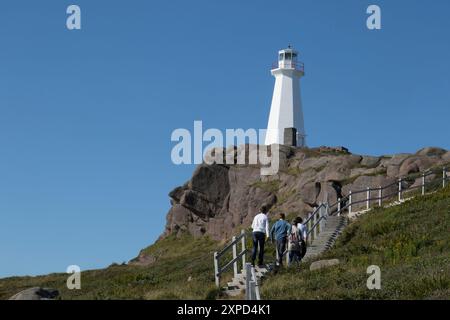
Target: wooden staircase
325, 240
236, 287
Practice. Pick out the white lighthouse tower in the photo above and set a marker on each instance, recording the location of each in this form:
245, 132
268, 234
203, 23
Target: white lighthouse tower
286, 110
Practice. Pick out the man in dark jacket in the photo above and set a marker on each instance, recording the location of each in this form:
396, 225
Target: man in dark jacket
279, 232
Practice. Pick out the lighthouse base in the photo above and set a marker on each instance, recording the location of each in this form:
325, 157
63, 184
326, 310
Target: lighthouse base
290, 137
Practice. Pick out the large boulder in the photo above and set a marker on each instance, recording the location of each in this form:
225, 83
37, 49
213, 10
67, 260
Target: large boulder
446, 156
36, 294
310, 192
370, 162
212, 181
431, 152
414, 164
221, 199
178, 220
395, 160
314, 163
317, 265
200, 204
362, 182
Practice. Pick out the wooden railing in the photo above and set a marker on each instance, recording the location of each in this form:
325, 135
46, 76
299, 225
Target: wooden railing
251, 283
316, 221
218, 269
348, 202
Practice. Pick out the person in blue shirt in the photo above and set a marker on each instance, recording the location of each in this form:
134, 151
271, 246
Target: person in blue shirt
280, 231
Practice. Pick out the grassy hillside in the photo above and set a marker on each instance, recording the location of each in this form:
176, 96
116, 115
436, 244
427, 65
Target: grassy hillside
410, 243
167, 278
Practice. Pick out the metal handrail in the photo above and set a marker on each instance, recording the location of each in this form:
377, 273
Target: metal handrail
312, 214
358, 192
317, 219
230, 245
251, 283
218, 270
229, 264
256, 289
314, 226
348, 205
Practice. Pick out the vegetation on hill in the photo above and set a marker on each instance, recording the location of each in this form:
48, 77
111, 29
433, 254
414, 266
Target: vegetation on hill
410, 243
183, 270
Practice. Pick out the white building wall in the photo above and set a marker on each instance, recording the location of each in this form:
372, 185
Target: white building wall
286, 108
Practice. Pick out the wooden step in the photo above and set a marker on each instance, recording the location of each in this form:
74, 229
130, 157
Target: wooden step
234, 292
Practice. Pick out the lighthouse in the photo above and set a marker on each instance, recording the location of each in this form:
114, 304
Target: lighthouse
286, 113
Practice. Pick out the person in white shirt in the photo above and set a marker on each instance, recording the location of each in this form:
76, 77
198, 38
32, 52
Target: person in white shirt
303, 233
260, 228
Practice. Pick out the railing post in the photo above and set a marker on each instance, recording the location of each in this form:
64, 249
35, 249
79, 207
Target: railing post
380, 196
368, 199
309, 228
248, 274
339, 207
350, 202
423, 183
314, 223
444, 176
287, 255
321, 214
252, 293
244, 248
235, 264
400, 190
255, 290
216, 270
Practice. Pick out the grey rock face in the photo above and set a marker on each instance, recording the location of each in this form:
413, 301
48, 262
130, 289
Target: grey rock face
431, 151
219, 200
317, 265
370, 162
415, 164
36, 294
446, 158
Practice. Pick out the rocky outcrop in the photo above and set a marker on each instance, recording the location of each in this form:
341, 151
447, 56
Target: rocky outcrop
36, 294
317, 265
220, 199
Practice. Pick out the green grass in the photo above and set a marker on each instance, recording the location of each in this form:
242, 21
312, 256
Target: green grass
410, 243
380, 172
294, 171
270, 186
167, 278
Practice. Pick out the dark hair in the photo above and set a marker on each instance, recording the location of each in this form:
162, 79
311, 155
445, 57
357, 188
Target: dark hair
299, 220
263, 208
282, 216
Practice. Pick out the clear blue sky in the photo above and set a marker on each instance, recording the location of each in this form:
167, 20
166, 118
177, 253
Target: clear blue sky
86, 116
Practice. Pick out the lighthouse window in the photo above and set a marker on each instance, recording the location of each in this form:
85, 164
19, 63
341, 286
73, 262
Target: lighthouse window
288, 55
281, 56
